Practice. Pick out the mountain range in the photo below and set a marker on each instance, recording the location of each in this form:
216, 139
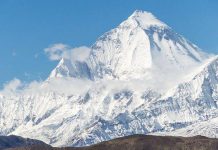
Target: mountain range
139, 78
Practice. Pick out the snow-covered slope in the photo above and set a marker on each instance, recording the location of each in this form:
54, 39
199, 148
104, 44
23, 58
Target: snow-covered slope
67, 68
207, 128
140, 47
139, 78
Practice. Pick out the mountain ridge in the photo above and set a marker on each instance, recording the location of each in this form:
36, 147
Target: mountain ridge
141, 142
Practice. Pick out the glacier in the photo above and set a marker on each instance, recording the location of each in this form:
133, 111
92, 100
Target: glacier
139, 78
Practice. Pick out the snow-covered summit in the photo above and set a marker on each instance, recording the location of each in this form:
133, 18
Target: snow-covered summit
137, 48
146, 19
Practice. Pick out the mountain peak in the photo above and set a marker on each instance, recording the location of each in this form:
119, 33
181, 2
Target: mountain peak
140, 47
146, 19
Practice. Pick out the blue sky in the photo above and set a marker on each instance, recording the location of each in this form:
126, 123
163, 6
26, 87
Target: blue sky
27, 27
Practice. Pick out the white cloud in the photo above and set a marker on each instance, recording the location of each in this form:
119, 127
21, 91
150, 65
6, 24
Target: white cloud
17, 88
12, 86
80, 53
54, 52
59, 51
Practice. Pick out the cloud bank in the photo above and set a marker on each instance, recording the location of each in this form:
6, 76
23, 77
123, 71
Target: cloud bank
58, 51
54, 52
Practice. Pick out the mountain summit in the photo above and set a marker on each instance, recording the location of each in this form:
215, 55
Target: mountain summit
146, 19
141, 47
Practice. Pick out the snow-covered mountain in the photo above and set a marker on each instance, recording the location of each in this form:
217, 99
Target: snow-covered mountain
139, 78
137, 48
